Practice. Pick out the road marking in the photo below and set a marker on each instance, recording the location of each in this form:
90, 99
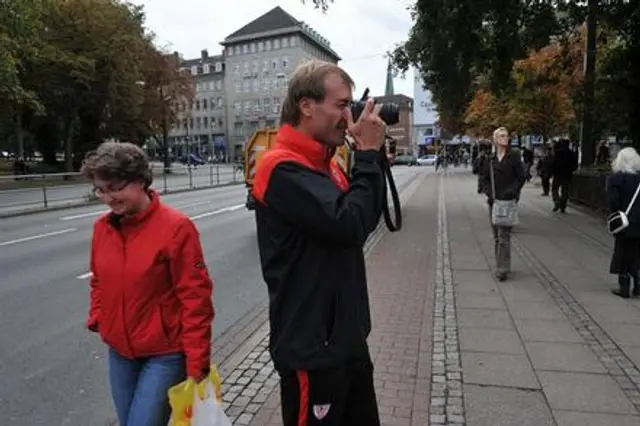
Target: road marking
89, 214
87, 275
214, 212
36, 237
80, 216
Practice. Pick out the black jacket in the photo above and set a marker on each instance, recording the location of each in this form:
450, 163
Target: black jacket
312, 225
620, 190
509, 177
564, 163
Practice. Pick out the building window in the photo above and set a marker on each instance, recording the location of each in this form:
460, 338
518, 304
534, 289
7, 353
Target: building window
197, 104
253, 48
205, 122
212, 103
274, 64
229, 51
191, 122
198, 123
285, 42
206, 68
260, 46
194, 70
254, 66
237, 50
276, 43
219, 103
267, 45
266, 85
204, 104
285, 62
236, 69
245, 49
292, 41
237, 108
238, 87
218, 66
247, 107
245, 86
276, 105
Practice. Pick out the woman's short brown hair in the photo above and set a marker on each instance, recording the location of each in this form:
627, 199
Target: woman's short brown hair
118, 161
308, 81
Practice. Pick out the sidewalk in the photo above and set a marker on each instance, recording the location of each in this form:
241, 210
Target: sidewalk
451, 346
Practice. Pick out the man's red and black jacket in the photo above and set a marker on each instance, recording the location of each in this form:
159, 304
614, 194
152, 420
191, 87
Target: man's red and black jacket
312, 225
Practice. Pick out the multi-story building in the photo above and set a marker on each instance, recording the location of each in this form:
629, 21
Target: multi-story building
259, 59
201, 127
401, 131
425, 116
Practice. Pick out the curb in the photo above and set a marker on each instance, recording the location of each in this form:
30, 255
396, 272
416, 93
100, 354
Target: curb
69, 206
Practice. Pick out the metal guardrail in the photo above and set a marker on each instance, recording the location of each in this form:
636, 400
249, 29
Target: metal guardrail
33, 191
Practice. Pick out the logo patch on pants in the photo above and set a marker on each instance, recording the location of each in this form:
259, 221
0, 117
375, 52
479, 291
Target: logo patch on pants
321, 411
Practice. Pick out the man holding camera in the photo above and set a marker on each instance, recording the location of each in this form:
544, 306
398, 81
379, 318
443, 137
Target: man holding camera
312, 224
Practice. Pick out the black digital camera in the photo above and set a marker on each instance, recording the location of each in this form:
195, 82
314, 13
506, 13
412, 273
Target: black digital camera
389, 112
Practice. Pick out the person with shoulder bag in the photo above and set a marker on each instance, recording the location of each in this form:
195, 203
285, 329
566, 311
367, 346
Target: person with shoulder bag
623, 187
503, 178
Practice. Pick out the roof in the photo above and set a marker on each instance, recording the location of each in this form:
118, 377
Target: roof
275, 19
397, 98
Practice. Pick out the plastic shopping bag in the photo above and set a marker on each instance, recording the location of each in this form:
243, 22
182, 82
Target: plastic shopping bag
198, 404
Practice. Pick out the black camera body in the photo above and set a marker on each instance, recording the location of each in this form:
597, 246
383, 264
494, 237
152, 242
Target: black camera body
389, 112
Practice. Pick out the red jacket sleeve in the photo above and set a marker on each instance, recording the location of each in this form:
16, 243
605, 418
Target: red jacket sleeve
94, 283
194, 289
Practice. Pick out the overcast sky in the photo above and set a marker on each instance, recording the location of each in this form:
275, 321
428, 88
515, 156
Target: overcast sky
360, 31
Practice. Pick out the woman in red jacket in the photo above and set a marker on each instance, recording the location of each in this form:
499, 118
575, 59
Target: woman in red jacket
151, 294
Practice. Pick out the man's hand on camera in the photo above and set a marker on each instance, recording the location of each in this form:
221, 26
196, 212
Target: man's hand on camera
369, 131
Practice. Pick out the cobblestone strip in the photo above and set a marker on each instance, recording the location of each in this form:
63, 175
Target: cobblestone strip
249, 385
447, 405
618, 365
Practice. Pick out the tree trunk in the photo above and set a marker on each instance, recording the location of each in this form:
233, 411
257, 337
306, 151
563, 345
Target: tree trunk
19, 134
587, 141
68, 146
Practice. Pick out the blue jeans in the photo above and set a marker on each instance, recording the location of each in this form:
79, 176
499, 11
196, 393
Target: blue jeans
139, 387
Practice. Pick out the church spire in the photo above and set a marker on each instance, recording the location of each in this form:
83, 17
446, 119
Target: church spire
388, 90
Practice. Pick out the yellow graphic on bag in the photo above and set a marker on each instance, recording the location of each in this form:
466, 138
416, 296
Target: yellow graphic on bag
181, 397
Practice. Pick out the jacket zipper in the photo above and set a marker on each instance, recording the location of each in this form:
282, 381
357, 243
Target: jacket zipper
123, 241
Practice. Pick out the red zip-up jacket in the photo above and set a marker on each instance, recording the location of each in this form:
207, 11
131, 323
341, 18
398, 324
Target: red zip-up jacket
150, 290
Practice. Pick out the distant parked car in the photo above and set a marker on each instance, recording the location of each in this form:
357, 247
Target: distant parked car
427, 160
406, 160
192, 159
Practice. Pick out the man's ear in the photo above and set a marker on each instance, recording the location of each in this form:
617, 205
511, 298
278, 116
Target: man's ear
306, 107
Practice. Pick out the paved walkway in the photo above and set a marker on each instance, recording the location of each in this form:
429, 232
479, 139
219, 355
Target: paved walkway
451, 346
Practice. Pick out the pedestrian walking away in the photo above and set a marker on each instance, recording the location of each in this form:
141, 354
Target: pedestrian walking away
622, 192
503, 178
150, 288
312, 223
564, 163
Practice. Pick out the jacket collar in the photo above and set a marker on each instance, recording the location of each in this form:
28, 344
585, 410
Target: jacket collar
316, 152
122, 221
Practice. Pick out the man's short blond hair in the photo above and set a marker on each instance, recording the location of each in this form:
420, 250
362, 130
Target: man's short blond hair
308, 81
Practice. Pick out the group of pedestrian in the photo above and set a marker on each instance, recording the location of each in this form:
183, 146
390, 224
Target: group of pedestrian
151, 293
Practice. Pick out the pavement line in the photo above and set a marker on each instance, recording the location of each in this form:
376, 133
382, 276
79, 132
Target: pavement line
80, 216
86, 275
218, 211
36, 237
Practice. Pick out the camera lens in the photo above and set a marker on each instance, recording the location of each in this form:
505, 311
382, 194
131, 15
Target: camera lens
389, 112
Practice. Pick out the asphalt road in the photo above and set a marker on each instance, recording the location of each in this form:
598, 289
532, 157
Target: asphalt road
29, 198
53, 371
